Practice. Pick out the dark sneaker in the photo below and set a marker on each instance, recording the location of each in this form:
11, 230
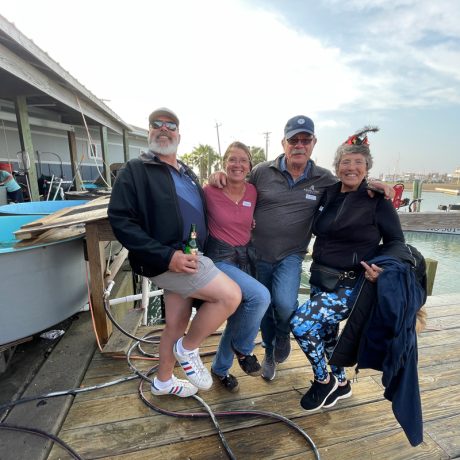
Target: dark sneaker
248, 363
282, 348
268, 367
316, 396
229, 382
342, 392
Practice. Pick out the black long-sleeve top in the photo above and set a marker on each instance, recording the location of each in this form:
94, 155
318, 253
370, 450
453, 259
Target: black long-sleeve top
350, 226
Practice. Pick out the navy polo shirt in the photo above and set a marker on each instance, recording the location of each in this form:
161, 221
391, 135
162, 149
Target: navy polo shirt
190, 204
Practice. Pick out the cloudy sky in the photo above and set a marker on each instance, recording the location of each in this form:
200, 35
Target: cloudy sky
249, 65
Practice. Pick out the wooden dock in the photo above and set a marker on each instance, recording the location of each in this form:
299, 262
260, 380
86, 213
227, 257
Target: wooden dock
113, 423
431, 222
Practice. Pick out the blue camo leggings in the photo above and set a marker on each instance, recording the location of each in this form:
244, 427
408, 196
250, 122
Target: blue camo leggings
315, 325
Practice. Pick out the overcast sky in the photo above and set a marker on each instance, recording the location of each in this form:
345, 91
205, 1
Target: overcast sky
250, 65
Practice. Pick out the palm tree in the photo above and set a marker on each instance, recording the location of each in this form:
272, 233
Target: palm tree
258, 155
205, 158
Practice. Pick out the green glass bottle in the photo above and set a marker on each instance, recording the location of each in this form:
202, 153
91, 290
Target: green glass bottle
192, 245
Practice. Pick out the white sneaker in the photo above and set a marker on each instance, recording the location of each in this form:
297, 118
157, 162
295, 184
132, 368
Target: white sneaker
194, 369
181, 388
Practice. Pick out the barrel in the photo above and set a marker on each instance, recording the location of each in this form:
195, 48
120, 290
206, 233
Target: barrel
6, 167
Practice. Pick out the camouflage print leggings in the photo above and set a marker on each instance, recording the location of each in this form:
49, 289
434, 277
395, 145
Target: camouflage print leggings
315, 325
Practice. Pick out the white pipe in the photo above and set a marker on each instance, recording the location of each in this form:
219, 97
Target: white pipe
145, 298
132, 298
49, 187
57, 189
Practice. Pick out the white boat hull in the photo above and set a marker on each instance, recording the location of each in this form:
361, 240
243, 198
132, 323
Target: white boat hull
40, 287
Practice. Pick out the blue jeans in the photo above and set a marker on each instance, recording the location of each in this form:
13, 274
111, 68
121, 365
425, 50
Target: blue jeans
283, 281
242, 327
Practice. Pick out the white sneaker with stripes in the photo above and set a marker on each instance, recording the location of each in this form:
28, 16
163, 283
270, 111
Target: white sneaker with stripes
194, 369
181, 388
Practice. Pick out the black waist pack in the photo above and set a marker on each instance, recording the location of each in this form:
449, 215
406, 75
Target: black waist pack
329, 279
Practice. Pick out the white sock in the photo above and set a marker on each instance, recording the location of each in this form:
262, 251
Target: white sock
162, 385
181, 349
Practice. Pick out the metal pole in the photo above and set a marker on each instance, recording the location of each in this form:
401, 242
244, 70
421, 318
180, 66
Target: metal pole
267, 138
218, 139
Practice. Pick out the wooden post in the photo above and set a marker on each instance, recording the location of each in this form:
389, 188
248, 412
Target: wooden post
105, 155
431, 267
25, 139
96, 260
74, 160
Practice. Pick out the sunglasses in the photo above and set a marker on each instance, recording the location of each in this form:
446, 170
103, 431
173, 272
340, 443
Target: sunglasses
157, 124
295, 141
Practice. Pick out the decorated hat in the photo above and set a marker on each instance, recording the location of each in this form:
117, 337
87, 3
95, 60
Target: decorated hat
360, 137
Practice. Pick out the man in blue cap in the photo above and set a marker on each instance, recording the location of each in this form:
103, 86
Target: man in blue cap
289, 189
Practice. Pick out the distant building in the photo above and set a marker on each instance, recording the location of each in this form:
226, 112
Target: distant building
50, 124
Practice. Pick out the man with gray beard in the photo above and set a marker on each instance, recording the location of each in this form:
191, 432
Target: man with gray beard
155, 200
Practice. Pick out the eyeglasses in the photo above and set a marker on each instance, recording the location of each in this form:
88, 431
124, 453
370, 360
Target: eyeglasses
354, 162
295, 141
241, 161
157, 124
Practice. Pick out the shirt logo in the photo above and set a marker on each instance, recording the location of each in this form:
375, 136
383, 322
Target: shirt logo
247, 204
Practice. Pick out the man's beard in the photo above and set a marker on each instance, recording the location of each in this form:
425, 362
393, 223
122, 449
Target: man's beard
169, 149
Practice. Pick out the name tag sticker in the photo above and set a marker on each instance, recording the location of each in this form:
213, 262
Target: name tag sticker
247, 204
308, 196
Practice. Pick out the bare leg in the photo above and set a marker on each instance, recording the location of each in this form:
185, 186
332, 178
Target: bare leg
177, 315
222, 297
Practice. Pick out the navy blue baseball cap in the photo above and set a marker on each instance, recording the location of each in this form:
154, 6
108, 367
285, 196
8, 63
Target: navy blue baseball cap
299, 124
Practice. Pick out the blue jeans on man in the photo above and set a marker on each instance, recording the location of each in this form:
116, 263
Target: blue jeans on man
282, 280
243, 326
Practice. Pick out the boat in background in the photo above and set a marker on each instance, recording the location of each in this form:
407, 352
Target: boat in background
41, 285
449, 207
37, 207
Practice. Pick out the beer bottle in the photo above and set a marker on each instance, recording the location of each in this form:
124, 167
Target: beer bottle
192, 245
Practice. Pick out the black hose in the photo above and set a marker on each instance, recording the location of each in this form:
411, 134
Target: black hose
43, 434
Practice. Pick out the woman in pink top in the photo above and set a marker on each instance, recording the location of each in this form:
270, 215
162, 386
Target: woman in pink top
230, 220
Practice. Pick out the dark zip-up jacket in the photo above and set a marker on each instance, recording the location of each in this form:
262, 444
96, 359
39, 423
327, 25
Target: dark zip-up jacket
350, 232
389, 342
145, 216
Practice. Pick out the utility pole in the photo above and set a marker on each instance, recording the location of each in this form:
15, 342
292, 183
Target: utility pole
267, 140
218, 141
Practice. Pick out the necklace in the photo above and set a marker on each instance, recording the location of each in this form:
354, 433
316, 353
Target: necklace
235, 197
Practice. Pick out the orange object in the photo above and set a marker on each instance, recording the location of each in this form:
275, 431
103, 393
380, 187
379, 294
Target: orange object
6, 167
399, 189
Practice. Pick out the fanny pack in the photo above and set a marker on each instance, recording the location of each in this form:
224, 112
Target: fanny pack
329, 279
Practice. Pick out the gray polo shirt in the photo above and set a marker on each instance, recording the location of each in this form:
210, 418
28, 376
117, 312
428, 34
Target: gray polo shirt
284, 212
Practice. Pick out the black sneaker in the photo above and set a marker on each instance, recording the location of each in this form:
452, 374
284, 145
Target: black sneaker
316, 396
341, 392
248, 363
282, 348
229, 382
268, 367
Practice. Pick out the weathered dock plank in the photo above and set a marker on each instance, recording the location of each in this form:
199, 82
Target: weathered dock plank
112, 423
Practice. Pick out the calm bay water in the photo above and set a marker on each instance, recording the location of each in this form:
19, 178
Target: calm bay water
431, 200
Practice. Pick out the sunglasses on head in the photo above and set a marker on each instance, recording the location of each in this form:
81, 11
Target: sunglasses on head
295, 141
157, 124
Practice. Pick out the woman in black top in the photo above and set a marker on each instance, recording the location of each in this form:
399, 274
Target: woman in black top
348, 228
